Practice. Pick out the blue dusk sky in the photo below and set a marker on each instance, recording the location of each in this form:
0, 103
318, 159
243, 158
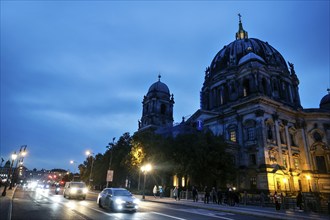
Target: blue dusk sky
74, 73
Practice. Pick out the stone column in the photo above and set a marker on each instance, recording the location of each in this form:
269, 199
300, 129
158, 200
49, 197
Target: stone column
278, 139
290, 181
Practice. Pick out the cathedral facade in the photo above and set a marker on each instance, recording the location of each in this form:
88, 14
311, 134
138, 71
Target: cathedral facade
250, 97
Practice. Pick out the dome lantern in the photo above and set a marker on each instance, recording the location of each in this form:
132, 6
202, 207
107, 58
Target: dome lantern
241, 34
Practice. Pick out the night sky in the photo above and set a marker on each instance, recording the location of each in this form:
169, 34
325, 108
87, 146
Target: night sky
74, 73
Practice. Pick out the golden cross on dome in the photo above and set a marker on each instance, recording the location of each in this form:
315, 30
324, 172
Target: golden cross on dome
239, 17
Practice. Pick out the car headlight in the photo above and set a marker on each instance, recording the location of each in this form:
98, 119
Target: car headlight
136, 201
119, 201
73, 190
85, 190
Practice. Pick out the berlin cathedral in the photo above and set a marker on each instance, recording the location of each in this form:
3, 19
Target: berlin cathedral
250, 96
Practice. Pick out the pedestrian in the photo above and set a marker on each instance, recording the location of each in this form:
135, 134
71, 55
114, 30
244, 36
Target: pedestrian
262, 199
207, 195
214, 195
175, 192
195, 194
219, 195
154, 191
277, 200
160, 192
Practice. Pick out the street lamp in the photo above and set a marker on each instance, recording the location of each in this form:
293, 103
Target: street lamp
13, 157
145, 169
88, 153
22, 153
308, 177
74, 167
110, 146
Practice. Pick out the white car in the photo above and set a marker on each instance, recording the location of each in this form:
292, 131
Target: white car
117, 199
75, 190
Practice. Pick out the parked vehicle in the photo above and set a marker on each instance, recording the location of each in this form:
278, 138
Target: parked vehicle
75, 190
117, 199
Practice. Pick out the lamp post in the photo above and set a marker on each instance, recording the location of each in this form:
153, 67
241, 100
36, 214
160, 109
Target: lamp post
74, 168
145, 169
110, 146
21, 155
13, 157
88, 153
308, 177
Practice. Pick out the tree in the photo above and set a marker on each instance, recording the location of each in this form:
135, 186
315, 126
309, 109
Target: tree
203, 157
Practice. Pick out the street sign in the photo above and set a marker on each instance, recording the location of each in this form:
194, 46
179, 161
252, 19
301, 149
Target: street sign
110, 176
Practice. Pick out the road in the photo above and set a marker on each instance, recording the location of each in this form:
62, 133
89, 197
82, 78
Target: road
36, 205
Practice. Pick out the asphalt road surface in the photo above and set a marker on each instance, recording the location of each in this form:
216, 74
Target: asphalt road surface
35, 204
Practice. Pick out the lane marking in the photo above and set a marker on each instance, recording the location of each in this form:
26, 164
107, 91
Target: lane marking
170, 216
204, 214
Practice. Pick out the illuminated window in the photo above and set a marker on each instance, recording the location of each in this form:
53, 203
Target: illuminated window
233, 136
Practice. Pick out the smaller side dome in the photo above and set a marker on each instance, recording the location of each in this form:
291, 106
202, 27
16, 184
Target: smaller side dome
325, 101
158, 89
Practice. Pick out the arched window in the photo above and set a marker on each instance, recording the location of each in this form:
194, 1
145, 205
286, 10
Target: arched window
269, 132
246, 87
275, 88
264, 85
162, 109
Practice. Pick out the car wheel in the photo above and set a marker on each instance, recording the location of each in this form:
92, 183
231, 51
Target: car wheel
100, 205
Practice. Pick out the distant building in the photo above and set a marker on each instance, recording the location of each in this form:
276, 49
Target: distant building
251, 98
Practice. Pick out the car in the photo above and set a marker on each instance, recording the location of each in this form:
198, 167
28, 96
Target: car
117, 199
75, 190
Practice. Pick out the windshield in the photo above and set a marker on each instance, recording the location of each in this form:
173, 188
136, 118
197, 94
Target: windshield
78, 185
121, 193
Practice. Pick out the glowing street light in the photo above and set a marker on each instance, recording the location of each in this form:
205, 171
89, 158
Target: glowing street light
89, 154
145, 169
13, 158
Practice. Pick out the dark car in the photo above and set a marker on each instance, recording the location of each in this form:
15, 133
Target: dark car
117, 199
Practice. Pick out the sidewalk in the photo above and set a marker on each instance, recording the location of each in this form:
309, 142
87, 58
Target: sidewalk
6, 203
241, 209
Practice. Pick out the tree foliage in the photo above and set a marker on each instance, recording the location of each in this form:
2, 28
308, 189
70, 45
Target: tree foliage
201, 157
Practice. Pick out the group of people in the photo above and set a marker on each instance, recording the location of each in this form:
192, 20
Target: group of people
229, 197
159, 190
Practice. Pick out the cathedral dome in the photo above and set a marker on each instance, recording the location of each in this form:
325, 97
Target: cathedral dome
247, 68
242, 50
325, 101
159, 89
